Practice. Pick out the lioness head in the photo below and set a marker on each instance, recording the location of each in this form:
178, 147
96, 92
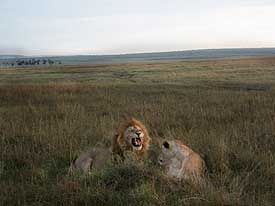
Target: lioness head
168, 151
131, 136
171, 149
180, 161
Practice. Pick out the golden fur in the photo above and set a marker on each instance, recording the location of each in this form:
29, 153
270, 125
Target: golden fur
180, 161
93, 159
126, 134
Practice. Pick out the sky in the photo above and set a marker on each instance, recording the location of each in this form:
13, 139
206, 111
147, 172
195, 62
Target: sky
71, 27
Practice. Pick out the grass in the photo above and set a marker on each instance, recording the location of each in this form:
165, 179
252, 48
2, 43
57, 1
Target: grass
222, 109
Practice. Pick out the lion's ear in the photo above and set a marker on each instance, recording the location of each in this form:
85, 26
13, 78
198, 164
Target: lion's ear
118, 138
166, 145
115, 145
116, 134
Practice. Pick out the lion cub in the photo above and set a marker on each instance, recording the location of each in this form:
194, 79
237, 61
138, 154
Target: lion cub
94, 159
180, 161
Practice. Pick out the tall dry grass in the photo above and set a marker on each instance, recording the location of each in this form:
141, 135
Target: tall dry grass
223, 110
42, 128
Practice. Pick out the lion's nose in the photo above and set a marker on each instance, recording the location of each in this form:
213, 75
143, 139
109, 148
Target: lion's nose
138, 133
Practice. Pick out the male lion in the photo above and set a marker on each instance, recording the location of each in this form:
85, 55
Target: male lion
132, 136
180, 161
94, 159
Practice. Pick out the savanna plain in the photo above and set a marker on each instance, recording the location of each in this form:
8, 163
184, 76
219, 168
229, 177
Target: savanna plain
222, 109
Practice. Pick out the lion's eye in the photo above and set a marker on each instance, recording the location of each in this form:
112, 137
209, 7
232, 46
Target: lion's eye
131, 129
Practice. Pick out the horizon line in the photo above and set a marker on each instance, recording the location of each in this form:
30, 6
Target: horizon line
134, 53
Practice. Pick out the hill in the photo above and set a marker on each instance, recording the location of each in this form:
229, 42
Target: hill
189, 55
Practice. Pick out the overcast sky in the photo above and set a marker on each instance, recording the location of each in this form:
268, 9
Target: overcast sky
67, 27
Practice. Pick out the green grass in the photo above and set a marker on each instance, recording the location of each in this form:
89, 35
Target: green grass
221, 109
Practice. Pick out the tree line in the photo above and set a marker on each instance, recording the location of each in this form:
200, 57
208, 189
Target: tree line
31, 62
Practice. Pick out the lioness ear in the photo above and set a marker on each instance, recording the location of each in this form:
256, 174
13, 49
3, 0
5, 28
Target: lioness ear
166, 145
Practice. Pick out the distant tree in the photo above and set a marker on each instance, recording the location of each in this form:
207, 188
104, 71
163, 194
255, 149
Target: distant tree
19, 62
50, 62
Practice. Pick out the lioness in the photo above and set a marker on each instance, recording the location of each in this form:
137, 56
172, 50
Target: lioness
132, 136
180, 161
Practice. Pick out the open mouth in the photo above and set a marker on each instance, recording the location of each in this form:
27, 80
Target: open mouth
136, 142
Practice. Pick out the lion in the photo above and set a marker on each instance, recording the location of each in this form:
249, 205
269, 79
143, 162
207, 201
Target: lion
91, 160
132, 136
180, 161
